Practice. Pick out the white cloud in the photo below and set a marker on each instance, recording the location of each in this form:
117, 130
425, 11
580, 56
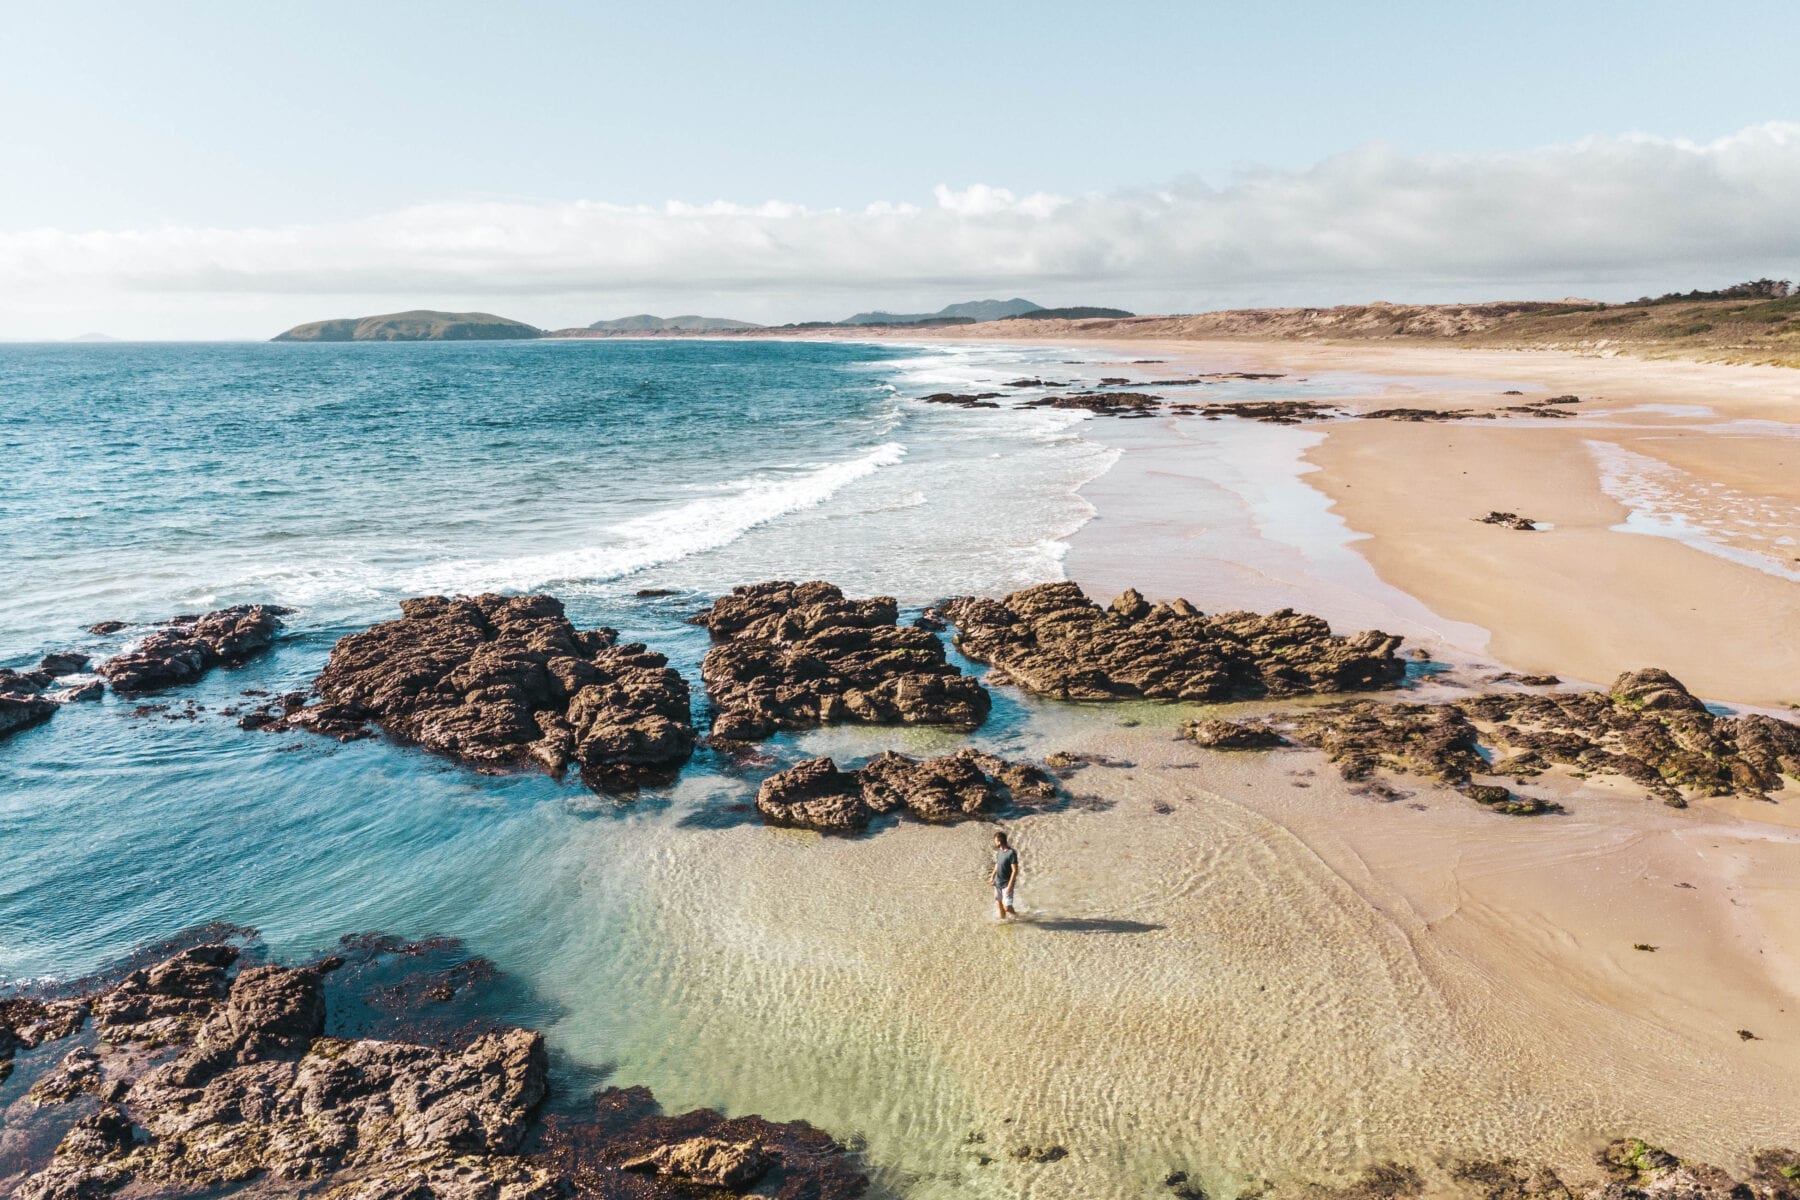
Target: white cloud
1625, 211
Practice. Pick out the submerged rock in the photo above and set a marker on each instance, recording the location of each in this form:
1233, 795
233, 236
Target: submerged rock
799, 655
816, 794
1052, 640
185, 648
503, 681
210, 1080
1647, 727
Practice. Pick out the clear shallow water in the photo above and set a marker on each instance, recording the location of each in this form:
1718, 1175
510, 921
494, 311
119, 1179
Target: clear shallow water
143, 481
1238, 1011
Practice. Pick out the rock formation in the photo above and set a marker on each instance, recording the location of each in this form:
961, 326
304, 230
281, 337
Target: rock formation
32, 697
815, 794
504, 681
185, 648
200, 1073
1647, 727
798, 655
1052, 640
22, 702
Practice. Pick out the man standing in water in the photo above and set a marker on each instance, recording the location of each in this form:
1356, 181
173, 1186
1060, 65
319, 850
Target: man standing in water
1006, 874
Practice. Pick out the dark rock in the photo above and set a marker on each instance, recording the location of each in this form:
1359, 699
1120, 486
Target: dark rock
63, 663
1647, 728
1052, 640
1563, 400
978, 400
245, 1092
1509, 520
186, 648
1526, 680
1421, 414
504, 681
22, 704
1110, 404
78, 1072
794, 656
108, 627
652, 593
815, 794
1273, 412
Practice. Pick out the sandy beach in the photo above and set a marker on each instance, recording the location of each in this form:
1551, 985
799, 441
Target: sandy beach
1671, 497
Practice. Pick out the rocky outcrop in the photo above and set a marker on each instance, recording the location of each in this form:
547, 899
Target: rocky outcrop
816, 794
32, 697
799, 655
1508, 520
1647, 727
1053, 641
505, 681
185, 648
195, 1079
1108, 404
22, 702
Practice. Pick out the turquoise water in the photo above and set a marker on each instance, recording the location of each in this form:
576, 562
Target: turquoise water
144, 481
671, 940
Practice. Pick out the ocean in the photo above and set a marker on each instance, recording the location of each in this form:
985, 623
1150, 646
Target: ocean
1196, 987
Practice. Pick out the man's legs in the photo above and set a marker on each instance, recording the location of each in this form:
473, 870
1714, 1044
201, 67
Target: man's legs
999, 905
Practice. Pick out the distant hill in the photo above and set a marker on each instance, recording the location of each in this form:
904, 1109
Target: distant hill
1079, 312
974, 310
645, 323
94, 337
420, 325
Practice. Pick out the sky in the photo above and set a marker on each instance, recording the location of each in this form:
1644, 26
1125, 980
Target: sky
198, 170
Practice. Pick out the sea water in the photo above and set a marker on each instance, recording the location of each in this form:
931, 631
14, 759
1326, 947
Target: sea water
1195, 990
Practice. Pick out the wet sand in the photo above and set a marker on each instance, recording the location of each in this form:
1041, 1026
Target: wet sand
1672, 497
1232, 966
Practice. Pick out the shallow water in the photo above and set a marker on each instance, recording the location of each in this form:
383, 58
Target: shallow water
1210, 996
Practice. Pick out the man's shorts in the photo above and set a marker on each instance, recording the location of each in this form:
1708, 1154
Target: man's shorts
1003, 895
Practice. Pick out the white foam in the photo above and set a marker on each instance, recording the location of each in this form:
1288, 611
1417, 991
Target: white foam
666, 536
1664, 501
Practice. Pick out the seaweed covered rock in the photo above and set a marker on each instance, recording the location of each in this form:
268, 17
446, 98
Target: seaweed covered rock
799, 655
1052, 640
816, 794
502, 681
1647, 727
185, 648
244, 1089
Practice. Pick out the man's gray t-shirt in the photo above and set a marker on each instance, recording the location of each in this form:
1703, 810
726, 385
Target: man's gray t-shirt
1005, 862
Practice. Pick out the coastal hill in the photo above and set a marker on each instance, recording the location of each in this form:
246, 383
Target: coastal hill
1756, 322
973, 310
645, 323
419, 325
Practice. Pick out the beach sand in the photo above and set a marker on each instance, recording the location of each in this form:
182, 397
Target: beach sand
1672, 496
1232, 966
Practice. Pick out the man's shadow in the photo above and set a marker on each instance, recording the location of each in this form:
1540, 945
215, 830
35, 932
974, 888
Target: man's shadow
1089, 924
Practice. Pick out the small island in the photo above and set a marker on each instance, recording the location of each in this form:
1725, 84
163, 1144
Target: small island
419, 325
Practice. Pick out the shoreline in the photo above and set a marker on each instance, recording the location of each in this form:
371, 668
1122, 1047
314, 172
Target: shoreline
1598, 592
1241, 967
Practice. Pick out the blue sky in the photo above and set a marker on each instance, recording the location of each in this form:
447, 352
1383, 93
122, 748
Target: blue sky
197, 123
